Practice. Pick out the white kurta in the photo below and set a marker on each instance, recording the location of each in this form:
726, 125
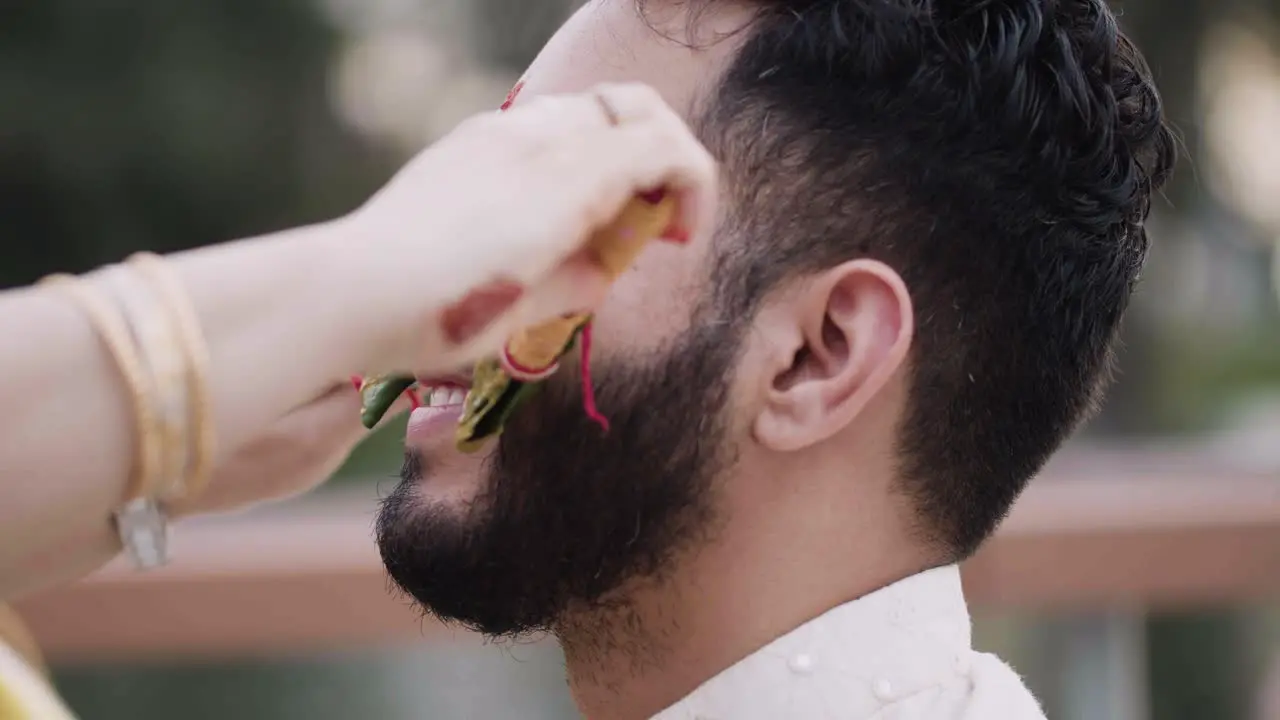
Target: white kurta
901, 653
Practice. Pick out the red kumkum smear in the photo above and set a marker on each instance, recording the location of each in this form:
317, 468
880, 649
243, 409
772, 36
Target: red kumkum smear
466, 318
511, 97
653, 197
675, 232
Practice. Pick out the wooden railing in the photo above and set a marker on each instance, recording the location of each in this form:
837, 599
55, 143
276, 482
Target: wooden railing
1100, 529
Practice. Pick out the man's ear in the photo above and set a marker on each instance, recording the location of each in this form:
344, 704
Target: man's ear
835, 341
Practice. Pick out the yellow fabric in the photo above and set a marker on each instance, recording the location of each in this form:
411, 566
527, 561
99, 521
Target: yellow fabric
14, 633
25, 694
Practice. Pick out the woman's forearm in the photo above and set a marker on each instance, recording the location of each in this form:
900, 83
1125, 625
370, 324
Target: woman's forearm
479, 233
67, 436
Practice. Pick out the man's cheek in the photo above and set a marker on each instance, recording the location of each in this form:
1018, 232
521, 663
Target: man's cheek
640, 316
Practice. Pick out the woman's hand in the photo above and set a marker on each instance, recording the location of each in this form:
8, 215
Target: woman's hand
504, 198
475, 236
493, 214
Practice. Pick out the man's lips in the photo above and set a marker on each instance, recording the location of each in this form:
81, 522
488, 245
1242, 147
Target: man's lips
442, 402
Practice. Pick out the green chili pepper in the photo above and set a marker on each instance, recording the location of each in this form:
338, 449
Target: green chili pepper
493, 398
378, 394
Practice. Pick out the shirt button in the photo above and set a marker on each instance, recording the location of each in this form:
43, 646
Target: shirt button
883, 690
801, 664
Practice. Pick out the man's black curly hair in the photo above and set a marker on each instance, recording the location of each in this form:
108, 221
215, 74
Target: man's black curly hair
1001, 156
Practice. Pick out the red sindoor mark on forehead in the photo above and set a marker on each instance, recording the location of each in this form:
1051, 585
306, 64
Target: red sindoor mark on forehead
511, 96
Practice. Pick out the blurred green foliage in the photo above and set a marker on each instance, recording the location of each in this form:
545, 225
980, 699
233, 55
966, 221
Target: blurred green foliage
378, 456
1201, 382
1200, 660
165, 126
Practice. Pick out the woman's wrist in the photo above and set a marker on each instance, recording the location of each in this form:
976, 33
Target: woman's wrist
383, 308
367, 298
299, 299
292, 304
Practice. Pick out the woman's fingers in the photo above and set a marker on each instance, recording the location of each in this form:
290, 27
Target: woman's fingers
609, 144
626, 142
647, 156
577, 286
660, 151
488, 217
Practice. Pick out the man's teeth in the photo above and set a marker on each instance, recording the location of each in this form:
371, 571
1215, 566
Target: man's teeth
446, 397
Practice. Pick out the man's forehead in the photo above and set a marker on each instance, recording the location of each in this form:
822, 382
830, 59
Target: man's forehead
612, 41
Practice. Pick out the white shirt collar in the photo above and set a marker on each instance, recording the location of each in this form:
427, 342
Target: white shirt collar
851, 661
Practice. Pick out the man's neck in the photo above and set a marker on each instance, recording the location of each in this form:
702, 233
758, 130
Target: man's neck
660, 640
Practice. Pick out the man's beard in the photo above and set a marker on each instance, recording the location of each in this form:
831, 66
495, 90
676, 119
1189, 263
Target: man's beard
566, 512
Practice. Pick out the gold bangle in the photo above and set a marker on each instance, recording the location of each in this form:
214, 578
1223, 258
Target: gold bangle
186, 324
159, 347
113, 333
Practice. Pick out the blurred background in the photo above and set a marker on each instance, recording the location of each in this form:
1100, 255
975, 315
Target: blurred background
135, 124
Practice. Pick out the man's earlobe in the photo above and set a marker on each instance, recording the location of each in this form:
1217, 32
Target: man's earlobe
837, 340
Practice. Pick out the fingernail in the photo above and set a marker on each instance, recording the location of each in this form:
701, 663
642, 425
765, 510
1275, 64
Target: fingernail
357, 382
675, 233
653, 197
